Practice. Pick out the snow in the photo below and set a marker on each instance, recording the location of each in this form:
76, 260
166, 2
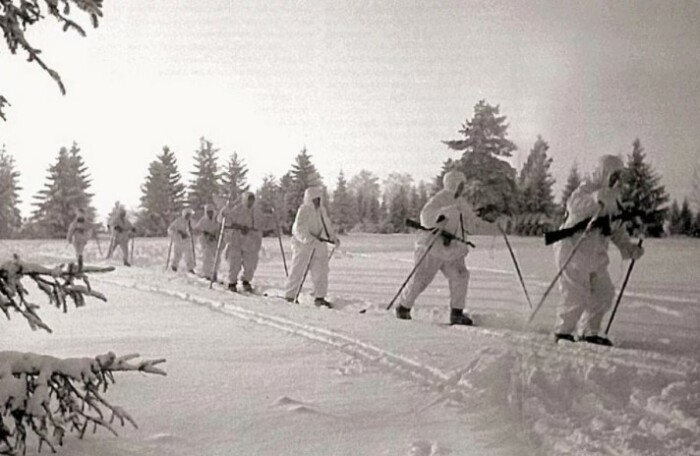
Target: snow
256, 375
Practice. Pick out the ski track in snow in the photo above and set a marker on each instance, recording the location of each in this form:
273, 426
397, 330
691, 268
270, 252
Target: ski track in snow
623, 401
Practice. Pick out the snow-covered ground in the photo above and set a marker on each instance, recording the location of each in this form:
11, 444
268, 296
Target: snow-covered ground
256, 375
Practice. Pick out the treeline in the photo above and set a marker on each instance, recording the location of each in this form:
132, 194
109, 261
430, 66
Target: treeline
361, 202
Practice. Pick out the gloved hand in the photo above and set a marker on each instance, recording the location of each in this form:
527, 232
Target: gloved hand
634, 251
336, 241
607, 197
211, 237
504, 221
183, 235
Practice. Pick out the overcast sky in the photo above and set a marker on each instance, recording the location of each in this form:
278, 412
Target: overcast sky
362, 84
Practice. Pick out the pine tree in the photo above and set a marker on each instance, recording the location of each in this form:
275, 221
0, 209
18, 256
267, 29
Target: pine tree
695, 190
572, 183
206, 178
342, 210
685, 219
302, 176
10, 217
269, 196
234, 180
642, 191
366, 192
696, 224
396, 201
673, 219
65, 191
491, 183
162, 197
535, 181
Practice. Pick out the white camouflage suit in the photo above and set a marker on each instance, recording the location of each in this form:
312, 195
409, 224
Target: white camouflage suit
180, 231
310, 224
122, 232
79, 233
459, 219
586, 288
207, 228
244, 224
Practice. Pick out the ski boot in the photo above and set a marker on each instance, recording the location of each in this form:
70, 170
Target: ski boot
321, 302
247, 287
173, 268
597, 340
457, 317
126, 263
289, 300
403, 313
232, 287
563, 336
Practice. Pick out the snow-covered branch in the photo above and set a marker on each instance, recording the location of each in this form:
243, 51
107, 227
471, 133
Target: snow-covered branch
61, 284
52, 396
48, 396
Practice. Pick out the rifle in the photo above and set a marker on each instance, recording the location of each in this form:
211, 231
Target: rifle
601, 222
445, 234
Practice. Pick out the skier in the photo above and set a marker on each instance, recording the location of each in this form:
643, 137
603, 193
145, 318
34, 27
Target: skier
180, 232
245, 223
79, 232
208, 230
311, 232
586, 288
122, 232
449, 212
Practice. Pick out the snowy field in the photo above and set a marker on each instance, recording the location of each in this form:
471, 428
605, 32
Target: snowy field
250, 375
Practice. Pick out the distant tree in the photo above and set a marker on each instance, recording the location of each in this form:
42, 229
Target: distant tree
269, 196
686, 219
10, 217
302, 176
206, 180
491, 183
342, 210
642, 191
16, 16
535, 181
417, 198
366, 193
673, 219
535, 197
162, 195
695, 190
65, 191
396, 200
572, 182
234, 181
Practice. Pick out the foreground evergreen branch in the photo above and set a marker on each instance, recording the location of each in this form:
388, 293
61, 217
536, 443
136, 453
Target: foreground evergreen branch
17, 15
53, 397
61, 284
48, 396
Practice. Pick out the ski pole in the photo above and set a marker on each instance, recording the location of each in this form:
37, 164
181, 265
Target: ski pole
566, 263
515, 262
303, 278
622, 290
332, 252
279, 238
170, 249
110, 248
99, 247
219, 240
415, 268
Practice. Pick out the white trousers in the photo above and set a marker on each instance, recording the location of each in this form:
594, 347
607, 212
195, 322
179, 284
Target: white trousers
239, 258
587, 291
455, 270
183, 247
318, 269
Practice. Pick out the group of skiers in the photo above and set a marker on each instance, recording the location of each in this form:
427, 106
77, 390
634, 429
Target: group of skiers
584, 281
